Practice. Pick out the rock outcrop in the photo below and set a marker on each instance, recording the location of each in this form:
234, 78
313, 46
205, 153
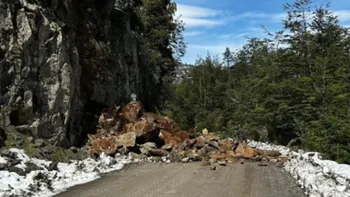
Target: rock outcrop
62, 62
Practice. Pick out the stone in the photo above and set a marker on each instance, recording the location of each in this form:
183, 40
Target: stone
212, 167
262, 164
5, 153
185, 160
145, 148
156, 159
194, 157
31, 167
12, 162
126, 140
170, 139
145, 131
106, 144
164, 123
218, 156
268, 153
131, 112
3, 136
222, 163
2, 166
17, 170
200, 142
213, 144
53, 166
245, 151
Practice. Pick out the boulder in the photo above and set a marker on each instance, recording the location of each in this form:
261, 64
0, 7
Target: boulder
245, 151
199, 142
102, 144
145, 131
170, 139
222, 163
3, 137
145, 148
126, 140
226, 145
268, 153
218, 156
53, 166
185, 160
131, 112
158, 152
164, 123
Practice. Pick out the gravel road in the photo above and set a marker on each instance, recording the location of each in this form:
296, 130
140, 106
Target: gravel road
190, 180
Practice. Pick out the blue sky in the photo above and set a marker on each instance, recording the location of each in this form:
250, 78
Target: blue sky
211, 25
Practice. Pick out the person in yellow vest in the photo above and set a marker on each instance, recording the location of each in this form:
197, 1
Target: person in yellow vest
205, 131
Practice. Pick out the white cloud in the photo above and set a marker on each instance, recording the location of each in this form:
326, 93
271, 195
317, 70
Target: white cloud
193, 33
343, 15
195, 11
271, 17
194, 16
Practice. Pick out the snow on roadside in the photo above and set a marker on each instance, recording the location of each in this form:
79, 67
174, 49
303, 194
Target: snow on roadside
319, 178
44, 182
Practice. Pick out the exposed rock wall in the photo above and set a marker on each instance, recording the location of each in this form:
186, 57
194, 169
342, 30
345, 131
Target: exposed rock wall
61, 62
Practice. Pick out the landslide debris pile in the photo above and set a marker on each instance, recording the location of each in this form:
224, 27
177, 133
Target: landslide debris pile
132, 131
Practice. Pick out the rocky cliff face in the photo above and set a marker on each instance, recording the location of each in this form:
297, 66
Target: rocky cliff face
61, 62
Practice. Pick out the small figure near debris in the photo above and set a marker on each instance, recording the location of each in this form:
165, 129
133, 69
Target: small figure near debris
205, 131
133, 97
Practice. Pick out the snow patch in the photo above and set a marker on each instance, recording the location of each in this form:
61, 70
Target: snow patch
318, 177
43, 182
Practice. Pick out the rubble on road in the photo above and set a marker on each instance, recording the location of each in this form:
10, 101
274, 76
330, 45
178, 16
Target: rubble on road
132, 131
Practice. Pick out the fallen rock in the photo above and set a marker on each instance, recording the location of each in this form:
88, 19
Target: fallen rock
170, 139
17, 170
31, 167
213, 144
164, 123
131, 112
245, 151
145, 148
53, 166
103, 144
213, 167
158, 152
194, 157
222, 163
185, 160
145, 131
2, 166
268, 153
5, 153
126, 140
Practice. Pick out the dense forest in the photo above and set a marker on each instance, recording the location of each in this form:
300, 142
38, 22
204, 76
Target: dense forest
292, 87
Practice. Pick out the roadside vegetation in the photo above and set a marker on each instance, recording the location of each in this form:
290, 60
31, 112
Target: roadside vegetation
291, 87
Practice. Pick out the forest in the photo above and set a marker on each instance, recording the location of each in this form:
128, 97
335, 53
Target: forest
291, 87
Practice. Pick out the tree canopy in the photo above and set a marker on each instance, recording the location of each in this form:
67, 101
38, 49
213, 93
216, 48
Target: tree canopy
292, 85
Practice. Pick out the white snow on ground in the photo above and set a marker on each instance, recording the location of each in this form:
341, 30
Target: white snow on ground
319, 178
48, 183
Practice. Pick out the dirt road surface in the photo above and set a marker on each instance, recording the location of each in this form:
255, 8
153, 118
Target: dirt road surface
190, 180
